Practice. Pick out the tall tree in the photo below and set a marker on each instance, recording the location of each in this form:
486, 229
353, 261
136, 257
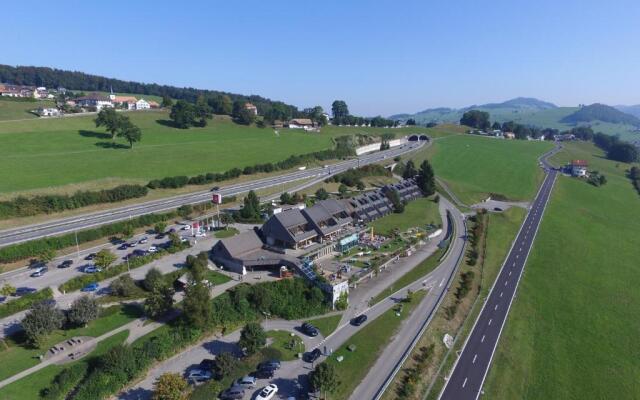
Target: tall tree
183, 114
426, 179
170, 386
252, 337
322, 194
109, 118
324, 378
251, 207
166, 102
339, 109
83, 310
104, 258
203, 111
159, 302
130, 132
409, 170
197, 308
43, 318
476, 119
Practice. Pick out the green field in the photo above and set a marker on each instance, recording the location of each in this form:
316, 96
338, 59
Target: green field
326, 325
11, 109
417, 213
572, 331
39, 154
474, 166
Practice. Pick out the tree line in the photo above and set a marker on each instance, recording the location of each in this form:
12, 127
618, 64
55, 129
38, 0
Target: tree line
341, 116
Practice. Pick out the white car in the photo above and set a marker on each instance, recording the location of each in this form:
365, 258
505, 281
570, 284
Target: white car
198, 375
201, 234
153, 249
186, 227
268, 392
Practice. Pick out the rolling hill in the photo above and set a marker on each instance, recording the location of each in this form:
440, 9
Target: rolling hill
632, 110
534, 112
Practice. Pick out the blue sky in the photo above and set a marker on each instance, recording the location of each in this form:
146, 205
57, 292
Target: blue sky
381, 57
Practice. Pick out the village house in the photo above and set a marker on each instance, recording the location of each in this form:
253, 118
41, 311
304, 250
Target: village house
94, 100
8, 90
301, 123
252, 109
578, 168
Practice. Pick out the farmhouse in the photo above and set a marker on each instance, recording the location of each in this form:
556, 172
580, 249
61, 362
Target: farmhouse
300, 123
578, 168
8, 90
94, 100
252, 109
127, 102
142, 104
509, 135
48, 112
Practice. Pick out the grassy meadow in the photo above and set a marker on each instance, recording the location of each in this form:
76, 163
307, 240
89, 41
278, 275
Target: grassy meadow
46, 153
11, 109
474, 166
417, 213
572, 331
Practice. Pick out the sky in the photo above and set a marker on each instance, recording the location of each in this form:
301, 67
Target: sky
381, 57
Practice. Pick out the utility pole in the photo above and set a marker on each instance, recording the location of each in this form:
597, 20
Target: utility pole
77, 246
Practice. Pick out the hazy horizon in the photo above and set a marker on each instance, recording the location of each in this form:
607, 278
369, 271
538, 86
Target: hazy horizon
384, 58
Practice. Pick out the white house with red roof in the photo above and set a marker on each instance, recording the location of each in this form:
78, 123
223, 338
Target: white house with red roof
579, 168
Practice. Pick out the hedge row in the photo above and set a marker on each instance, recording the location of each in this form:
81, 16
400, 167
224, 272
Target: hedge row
64, 382
343, 149
47, 204
24, 302
33, 248
81, 281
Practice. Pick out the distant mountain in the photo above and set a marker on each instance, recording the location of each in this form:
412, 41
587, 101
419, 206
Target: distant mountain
632, 110
521, 103
601, 112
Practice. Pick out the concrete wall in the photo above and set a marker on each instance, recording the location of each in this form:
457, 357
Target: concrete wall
376, 146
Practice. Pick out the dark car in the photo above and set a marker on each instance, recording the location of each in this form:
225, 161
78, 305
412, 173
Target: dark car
312, 355
65, 264
264, 373
172, 230
271, 364
123, 246
359, 320
21, 291
497, 209
90, 256
309, 329
213, 189
233, 393
207, 363
160, 235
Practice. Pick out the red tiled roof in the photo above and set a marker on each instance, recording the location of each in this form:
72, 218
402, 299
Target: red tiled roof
579, 163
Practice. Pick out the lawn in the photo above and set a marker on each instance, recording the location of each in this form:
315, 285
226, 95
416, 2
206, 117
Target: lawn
11, 109
285, 346
474, 166
216, 277
572, 331
29, 387
226, 233
326, 325
18, 357
417, 213
370, 342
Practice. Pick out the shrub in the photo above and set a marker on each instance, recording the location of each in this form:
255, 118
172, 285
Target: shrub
24, 302
64, 382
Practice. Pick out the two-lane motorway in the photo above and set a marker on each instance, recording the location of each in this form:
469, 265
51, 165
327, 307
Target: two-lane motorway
470, 370
57, 227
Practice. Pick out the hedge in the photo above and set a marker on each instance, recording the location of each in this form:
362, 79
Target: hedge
81, 281
46, 204
24, 302
64, 382
33, 248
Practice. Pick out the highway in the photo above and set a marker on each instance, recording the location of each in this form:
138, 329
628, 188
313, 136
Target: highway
65, 225
471, 368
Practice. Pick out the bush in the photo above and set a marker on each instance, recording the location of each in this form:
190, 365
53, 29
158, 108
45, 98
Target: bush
47, 204
33, 248
64, 382
123, 286
24, 302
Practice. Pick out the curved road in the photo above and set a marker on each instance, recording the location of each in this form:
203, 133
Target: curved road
472, 366
60, 226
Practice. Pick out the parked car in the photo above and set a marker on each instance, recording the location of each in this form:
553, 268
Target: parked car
90, 256
271, 364
313, 355
309, 329
153, 249
39, 272
123, 246
264, 373
248, 382
172, 230
160, 235
186, 227
21, 291
359, 320
200, 234
268, 392
233, 393
207, 364
143, 240
199, 375
133, 244
92, 287
497, 209
213, 189
91, 269
65, 264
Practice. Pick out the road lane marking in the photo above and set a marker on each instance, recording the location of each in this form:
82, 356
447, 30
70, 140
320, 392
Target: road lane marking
474, 359
509, 273
496, 307
501, 294
505, 282
441, 282
482, 339
464, 383
490, 319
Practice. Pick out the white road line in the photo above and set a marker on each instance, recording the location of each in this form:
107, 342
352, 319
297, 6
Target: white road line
490, 320
474, 359
505, 282
482, 339
509, 273
441, 282
501, 294
517, 255
464, 383
496, 307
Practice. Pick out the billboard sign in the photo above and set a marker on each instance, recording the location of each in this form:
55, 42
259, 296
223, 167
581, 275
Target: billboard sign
216, 198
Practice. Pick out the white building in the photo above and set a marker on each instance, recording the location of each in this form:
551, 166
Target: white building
579, 168
142, 104
48, 112
94, 100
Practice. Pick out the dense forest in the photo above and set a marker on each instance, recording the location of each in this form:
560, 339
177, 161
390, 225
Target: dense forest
79, 81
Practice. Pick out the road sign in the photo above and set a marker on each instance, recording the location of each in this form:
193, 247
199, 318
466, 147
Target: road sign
216, 198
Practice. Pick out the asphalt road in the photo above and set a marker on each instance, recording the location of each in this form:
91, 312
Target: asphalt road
60, 226
472, 366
